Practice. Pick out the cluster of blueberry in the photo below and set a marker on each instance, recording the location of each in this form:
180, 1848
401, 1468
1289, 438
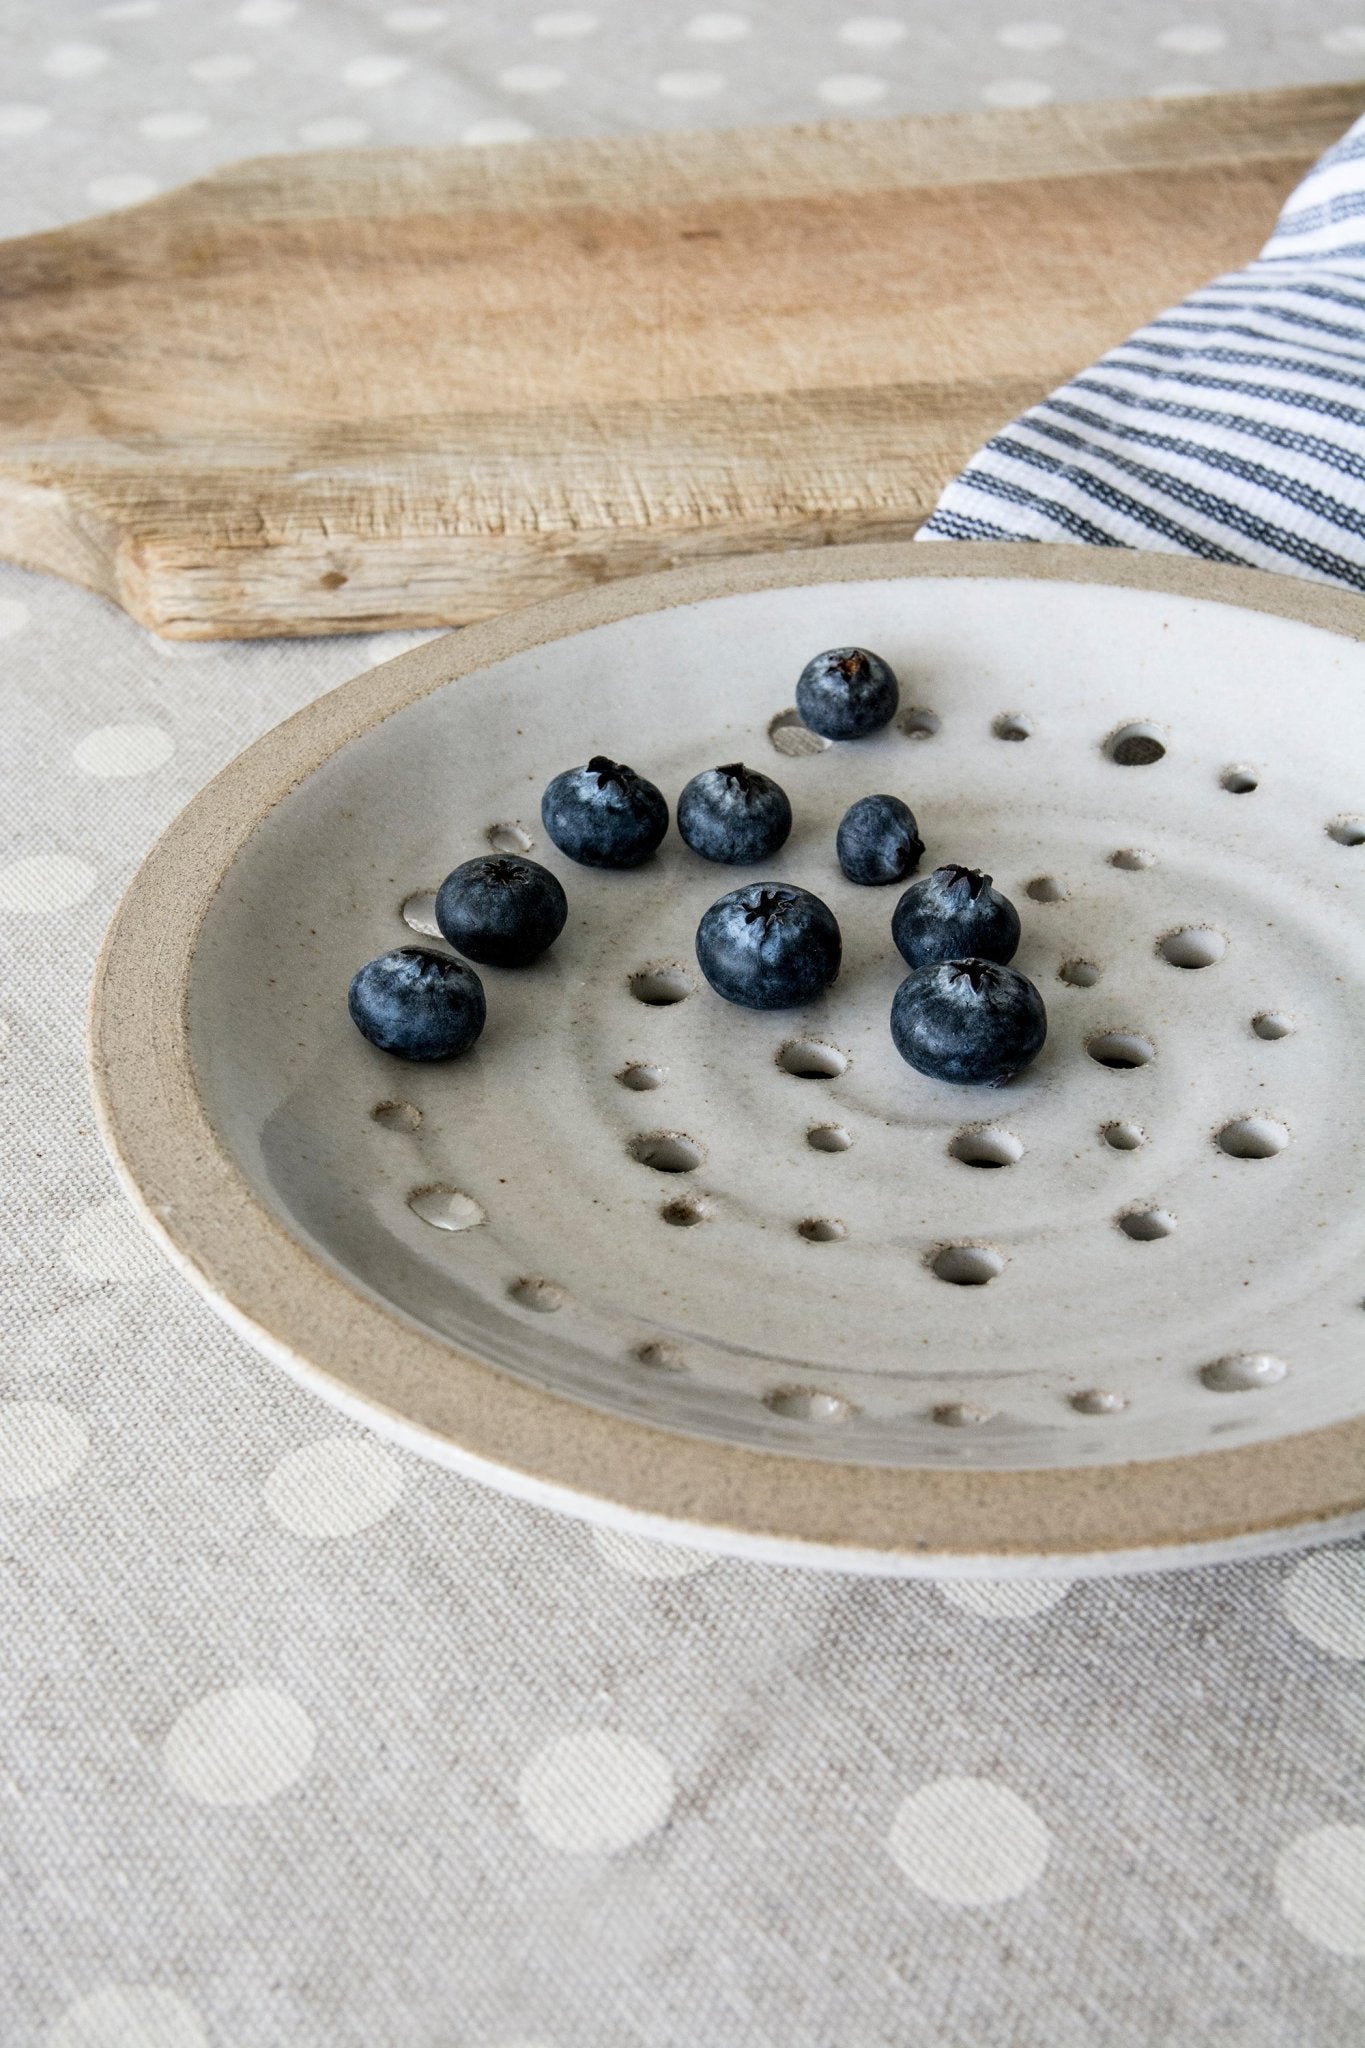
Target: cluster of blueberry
962, 1014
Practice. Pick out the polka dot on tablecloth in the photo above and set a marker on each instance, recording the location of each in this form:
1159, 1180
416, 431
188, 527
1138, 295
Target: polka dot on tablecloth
1320, 1885
1016, 92
75, 60
334, 131
1324, 1599
14, 616
1003, 1599
239, 1747
121, 188
595, 1793
1345, 42
415, 21
1031, 35
497, 128
851, 89
640, 1557
267, 13
41, 1445
565, 23
334, 1487
43, 882
717, 28
18, 119
223, 70
532, 78
872, 31
1193, 39
968, 1841
689, 85
129, 2016
115, 751
370, 74
108, 1243
173, 127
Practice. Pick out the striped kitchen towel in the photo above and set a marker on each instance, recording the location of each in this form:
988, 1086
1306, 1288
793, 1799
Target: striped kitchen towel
1232, 427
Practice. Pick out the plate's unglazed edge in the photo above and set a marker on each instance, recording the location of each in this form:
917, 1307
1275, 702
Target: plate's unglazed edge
360, 1356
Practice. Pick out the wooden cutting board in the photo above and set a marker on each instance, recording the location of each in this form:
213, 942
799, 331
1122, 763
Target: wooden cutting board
414, 387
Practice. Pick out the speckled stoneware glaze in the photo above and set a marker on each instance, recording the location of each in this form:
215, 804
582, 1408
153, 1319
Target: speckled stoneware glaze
745, 1279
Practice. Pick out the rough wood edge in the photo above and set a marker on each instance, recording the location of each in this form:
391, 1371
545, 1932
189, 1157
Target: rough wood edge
370, 1360
1076, 139
185, 589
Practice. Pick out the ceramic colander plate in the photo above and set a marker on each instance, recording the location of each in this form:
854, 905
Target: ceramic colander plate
745, 1279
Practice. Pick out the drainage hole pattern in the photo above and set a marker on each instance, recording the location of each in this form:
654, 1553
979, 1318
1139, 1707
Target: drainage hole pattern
667, 1151
810, 1059
1120, 1049
662, 984
986, 1145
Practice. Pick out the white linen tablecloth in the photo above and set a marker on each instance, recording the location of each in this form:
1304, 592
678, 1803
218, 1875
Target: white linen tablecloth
306, 1744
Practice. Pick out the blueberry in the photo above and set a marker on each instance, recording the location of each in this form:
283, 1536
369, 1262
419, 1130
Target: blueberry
968, 1021
846, 693
418, 1005
501, 911
878, 840
734, 814
954, 914
604, 815
769, 946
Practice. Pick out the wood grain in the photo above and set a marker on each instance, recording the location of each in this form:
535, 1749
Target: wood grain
417, 387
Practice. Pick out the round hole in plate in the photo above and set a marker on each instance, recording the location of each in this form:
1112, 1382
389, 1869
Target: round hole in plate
419, 913
1011, 726
1239, 781
961, 1414
686, 1211
1124, 1137
1347, 831
664, 982
828, 1138
1138, 745
667, 1151
1120, 1049
660, 1354
807, 1404
822, 1230
1132, 859
1243, 1371
1253, 1137
1099, 1401
986, 1145
511, 836
967, 1265
642, 1074
918, 723
1272, 1024
446, 1208
792, 738
544, 1296
1145, 1226
1046, 889
1196, 945
397, 1116
811, 1059
1078, 973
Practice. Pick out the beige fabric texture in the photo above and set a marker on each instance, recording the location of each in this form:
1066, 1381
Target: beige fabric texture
305, 1744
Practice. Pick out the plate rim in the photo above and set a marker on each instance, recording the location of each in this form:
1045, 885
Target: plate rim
420, 1389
